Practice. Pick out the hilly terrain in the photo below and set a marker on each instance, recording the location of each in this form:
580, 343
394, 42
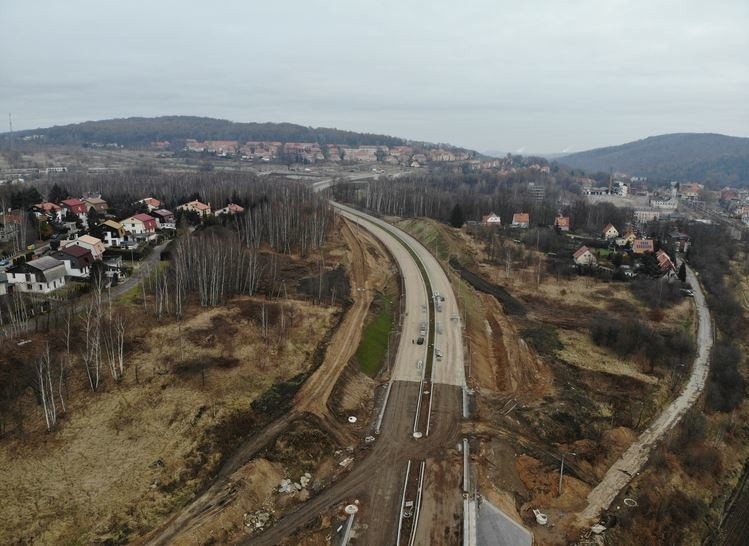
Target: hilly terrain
717, 160
141, 131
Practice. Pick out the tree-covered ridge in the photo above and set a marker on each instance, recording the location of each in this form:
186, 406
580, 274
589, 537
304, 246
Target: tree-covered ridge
718, 160
141, 131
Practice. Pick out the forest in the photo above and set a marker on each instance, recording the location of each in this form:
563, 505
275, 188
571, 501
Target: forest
141, 132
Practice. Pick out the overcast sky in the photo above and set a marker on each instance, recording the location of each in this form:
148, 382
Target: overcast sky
533, 76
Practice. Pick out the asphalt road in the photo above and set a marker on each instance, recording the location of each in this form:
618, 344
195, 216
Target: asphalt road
630, 463
448, 335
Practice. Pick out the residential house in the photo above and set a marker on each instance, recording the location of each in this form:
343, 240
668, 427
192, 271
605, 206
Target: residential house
610, 232
491, 219
96, 203
562, 223
664, 262
48, 210
641, 246
77, 260
164, 219
196, 206
151, 203
626, 240
520, 220
93, 244
40, 276
113, 233
76, 207
231, 208
584, 256
680, 240
140, 224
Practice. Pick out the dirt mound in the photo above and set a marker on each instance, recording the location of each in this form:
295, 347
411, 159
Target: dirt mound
515, 365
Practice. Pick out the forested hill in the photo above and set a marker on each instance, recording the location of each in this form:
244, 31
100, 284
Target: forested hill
717, 160
139, 131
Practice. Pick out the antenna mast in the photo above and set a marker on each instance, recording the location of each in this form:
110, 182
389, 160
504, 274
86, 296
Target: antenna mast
10, 122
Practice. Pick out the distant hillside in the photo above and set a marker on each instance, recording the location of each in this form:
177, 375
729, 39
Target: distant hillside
717, 160
142, 131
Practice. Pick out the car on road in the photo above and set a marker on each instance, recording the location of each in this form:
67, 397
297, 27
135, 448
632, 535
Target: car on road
4, 262
687, 292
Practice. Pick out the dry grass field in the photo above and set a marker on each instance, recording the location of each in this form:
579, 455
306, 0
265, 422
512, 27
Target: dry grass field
126, 456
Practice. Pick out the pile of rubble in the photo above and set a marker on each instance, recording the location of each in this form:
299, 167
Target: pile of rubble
288, 486
256, 521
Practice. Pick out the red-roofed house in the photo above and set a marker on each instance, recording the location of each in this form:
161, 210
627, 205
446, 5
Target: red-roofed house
584, 256
196, 206
75, 207
521, 220
48, 210
231, 208
491, 219
664, 262
562, 222
140, 224
77, 260
151, 202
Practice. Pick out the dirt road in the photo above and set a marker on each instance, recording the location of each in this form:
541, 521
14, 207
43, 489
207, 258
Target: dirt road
637, 455
376, 481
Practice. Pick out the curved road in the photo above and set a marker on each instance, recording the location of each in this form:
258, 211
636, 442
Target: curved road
377, 480
630, 463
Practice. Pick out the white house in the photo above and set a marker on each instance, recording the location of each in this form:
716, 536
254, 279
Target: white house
583, 256
77, 260
491, 219
40, 276
140, 224
610, 232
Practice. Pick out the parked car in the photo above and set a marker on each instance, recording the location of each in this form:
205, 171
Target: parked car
438, 354
420, 340
4, 262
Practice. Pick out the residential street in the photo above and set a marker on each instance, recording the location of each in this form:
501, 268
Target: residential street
630, 463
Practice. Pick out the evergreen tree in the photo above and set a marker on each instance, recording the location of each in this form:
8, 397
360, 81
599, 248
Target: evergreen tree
682, 274
457, 218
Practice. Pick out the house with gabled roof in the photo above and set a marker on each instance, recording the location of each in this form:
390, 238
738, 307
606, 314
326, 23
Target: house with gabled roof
89, 242
151, 203
164, 218
610, 232
113, 233
664, 262
491, 219
140, 224
48, 210
40, 276
521, 220
231, 208
584, 256
77, 260
562, 223
196, 206
96, 203
75, 207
